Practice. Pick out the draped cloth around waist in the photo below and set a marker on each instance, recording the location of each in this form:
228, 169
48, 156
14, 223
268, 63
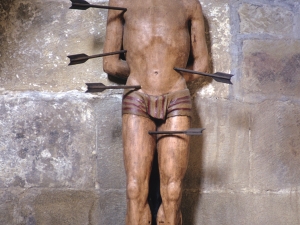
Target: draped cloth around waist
176, 103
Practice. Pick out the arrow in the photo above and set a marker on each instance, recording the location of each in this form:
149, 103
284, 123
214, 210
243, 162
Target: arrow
99, 87
82, 58
191, 131
218, 76
83, 5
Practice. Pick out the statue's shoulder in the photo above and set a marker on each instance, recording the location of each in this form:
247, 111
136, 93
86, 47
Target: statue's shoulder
191, 3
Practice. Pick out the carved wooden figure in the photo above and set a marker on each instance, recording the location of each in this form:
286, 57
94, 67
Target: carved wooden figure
158, 36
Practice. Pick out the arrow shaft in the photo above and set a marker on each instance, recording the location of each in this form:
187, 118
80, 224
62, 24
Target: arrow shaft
200, 73
192, 131
167, 132
191, 71
97, 86
82, 58
98, 6
106, 54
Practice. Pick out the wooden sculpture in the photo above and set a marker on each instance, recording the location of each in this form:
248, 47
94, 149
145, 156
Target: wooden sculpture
158, 36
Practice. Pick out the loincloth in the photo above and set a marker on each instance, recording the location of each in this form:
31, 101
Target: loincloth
176, 103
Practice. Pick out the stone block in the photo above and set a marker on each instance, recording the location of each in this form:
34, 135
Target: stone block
36, 37
240, 208
47, 140
219, 159
244, 146
275, 152
269, 70
266, 19
111, 174
65, 207
112, 208
217, 21
218, 37
297, 23
49, 207
8, 202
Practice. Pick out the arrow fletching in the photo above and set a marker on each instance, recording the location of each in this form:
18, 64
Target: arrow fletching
82, 58
99, 87
83, 5
218, 76
195, 131
191, 131
78, 59
222, 77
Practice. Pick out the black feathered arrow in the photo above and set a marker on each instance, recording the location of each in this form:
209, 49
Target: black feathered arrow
82, 58
191, 131
218, 76
99, 87
83, 5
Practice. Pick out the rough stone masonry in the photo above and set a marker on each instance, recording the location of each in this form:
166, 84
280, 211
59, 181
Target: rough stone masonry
61, 149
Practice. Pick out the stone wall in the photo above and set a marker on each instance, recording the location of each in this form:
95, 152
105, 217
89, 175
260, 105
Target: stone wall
61, 148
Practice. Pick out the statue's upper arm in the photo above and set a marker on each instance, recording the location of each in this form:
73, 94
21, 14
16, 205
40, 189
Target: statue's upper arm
198, 40
113, 42
114, 29
199, 49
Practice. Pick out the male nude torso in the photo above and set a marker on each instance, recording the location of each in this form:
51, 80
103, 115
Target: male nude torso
158, 36
156, 41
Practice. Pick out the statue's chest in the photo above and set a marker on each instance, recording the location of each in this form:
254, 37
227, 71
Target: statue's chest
163, 12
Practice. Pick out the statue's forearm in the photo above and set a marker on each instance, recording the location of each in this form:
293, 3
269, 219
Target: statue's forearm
200, 65
118, 68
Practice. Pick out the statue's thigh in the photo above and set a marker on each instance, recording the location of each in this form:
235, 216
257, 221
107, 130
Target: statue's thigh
173, 150
138, 146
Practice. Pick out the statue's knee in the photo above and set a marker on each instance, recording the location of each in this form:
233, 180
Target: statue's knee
132, 190
174, 191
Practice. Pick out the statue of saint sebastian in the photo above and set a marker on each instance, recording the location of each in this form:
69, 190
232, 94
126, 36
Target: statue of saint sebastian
158, 36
